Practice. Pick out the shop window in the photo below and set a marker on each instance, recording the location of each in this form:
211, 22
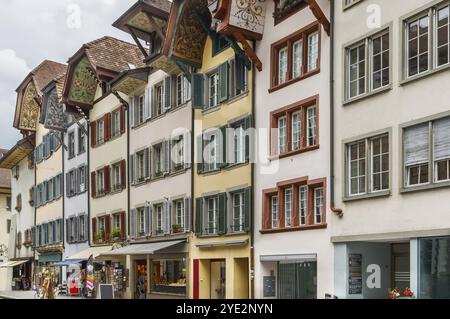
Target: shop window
169, 277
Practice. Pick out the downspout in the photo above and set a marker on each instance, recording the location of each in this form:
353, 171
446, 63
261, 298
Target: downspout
252, 213
127, 109
63, 180
333, 208
88, 177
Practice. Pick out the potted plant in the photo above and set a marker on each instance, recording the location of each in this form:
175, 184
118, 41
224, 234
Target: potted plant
116, 233
176, 228
100, 235
408, 293
394, 293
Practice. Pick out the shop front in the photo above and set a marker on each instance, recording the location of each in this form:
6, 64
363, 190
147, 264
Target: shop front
156, 270
21, 273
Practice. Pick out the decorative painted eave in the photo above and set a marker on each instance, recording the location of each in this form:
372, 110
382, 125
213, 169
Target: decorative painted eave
320, 16
21, 150
53, 115
185, 37
131, 81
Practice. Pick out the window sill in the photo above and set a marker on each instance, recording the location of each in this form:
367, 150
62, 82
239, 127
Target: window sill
71, 157
289, 82
210, 173
292, 153
235, 166
425, 74
116, 191
211, 109
425, 187
386, 193
292, 229
367, 95
81, 152
236, 233
236, 98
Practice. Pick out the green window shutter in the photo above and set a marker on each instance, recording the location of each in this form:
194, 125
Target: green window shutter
200, 161
222, 213
239, 71
248, 124
198, 100
223, 82
198, 216
248, 204
223, 147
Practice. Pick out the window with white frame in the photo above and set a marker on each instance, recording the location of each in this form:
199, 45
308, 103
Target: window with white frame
81, 140
82, 225
296, 130
274, 211
82, 179
297, 56
380, 60
158, 90
140, 105
238, 212
100, 181
369, 156
115, 171
238, 143
288, 207
318, 205
441, 149
356, 74
282, 134
179, 215
417, 155
140, 215
159, 219
313, 51
158, 159
282, 65
311, 128
213, 89
115, 123
418, 45
177, 153
443, 35
116, 221
212, 216
212, 156
72, 183
183, 89
71, 146
303, 204
140, 166
100, 131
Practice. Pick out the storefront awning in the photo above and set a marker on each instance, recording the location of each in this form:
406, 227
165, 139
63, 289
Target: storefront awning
222, 243
291, 258
94, 251
13, 263
50, 258
146, 249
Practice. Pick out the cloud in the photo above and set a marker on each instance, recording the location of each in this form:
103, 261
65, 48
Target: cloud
12, 71
39, 30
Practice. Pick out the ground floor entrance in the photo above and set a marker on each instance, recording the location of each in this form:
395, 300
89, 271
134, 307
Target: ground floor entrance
297, 280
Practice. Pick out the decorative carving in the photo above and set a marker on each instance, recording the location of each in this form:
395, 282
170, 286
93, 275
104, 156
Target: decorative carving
55, 118
248, 15
30, 109
84, 84
190, 38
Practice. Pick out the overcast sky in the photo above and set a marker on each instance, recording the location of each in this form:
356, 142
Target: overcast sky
32, 31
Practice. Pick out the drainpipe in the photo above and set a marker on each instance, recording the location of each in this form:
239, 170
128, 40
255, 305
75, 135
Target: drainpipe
88, 177
252, 213
333, 208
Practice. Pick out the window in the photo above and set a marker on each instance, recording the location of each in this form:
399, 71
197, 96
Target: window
159, 99
380, 64
219, 44
213, 85
82, 179
8, 226
349, 3
158, 159
295, 57
115, 123
212, 215
141, 221
296, 128
303, 204
211, 156
101, 227
100, 181
19, 202
8, 203
140, 166
368, 163
238, 212
140, 110
318, 205
294, 205
179, 216
183, 89
357, 71
117, 183
427, 40
288, 207
82, 227
238, 77
178, 153
81, 140
71, 145
284, 9
72, 181
116, 221
159, 219
100, 124
274, 211
239, 143
16, 172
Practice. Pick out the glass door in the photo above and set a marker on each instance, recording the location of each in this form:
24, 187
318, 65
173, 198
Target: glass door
218, 279
297, 280
400, 266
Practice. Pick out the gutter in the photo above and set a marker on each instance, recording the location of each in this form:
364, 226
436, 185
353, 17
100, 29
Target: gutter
333, 208
88, 177
252, 211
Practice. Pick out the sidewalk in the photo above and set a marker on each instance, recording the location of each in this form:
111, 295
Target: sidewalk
26, 295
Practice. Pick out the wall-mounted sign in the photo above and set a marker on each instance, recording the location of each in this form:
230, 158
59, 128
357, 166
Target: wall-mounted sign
354, 274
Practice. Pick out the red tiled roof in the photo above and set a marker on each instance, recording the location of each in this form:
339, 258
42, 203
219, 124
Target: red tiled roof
47, 71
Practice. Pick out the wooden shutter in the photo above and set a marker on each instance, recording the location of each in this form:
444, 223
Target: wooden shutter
187, 214
249, 135
68, 185
223, 147
107, 178
198, 99
223, 82
93, 132
248, 206
198, 216
108, 228
77, 229
122, 120
133, 223
93, 185
123, 228
222, 213
200, 159
68, 230
94, 229
146, 163
123, 174
167, 93
107, 126
239, 71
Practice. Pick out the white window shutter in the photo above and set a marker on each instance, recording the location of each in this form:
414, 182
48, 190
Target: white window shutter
187, 150
166, 156
416, 144
131, 110
441, 130
147, 220
133, 223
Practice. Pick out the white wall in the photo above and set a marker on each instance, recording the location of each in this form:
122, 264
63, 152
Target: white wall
314, 164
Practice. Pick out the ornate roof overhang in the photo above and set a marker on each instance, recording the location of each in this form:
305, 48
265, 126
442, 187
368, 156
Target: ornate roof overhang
131, 81
29, 105
21, 150
53, 115
185, 36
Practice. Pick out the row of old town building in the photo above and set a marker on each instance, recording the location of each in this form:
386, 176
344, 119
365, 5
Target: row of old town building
142, 156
